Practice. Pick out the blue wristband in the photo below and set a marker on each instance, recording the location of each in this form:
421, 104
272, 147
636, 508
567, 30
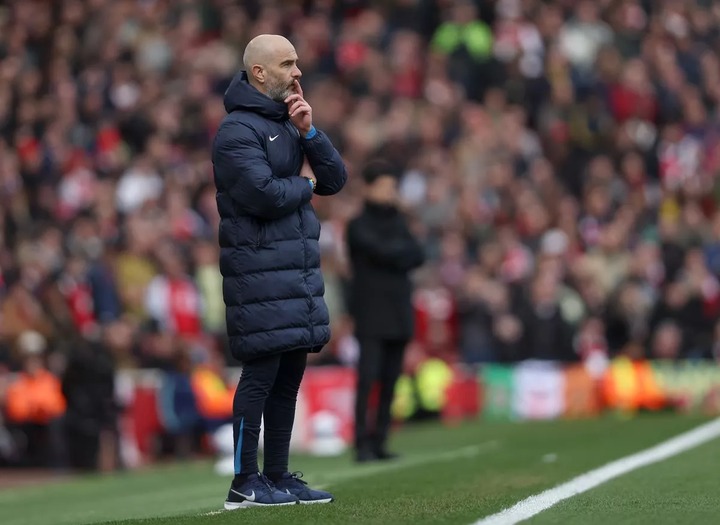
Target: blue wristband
311, 133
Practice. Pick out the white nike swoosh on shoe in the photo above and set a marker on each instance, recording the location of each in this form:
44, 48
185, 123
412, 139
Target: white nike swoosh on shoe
273, 138
250, 497
290, 493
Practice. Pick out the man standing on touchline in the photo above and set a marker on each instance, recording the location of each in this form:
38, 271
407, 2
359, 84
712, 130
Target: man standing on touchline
383, 253
270, 260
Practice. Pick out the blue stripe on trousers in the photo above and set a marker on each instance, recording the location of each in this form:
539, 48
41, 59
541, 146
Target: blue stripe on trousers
238, 448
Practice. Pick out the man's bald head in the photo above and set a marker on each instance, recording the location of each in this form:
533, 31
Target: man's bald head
263, 48
271, 65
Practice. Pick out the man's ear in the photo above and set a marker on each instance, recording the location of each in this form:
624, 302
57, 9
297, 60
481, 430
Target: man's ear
258, 73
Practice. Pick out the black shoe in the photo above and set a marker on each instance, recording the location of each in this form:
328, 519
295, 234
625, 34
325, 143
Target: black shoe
257, 491
292, 484
364, 455
384, 455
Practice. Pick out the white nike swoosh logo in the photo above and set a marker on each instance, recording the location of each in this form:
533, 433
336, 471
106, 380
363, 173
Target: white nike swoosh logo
273, 138
251, 497
286, 490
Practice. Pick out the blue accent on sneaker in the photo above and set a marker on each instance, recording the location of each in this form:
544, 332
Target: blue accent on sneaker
257, 491
292, 484
238, 449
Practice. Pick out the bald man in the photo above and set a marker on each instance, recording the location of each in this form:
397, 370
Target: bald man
270, 260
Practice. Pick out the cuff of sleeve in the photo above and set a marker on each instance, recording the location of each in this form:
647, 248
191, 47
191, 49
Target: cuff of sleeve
311, 133
307, 191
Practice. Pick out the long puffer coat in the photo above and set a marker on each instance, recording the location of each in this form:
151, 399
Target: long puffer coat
270, 256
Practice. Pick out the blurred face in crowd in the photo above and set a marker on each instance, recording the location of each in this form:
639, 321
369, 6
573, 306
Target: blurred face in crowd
464, 12
384, 190
611, 239
206, 254
587, 12
119, 335
475, 283
33, 365
667, 341
597, 201
497, 297
695, 262
171, 261
544, 291
676, 295
271, 63
594, 328
490, 256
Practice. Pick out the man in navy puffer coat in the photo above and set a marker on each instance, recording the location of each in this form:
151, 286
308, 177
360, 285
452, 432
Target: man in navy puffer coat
270, 259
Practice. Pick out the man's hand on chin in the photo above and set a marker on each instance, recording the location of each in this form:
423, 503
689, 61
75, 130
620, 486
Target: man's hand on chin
299, 110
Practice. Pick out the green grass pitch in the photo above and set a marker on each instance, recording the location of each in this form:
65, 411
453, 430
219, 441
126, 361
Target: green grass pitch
446, 476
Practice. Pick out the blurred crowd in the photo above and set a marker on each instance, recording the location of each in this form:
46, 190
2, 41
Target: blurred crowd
560, 161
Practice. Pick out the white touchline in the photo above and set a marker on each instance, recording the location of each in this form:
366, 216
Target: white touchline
533, 505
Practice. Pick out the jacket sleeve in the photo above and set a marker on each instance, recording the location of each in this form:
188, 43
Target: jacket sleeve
326, 164
243, 171
402, 254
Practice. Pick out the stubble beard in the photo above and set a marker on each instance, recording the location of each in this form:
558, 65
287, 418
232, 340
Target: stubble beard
279, 91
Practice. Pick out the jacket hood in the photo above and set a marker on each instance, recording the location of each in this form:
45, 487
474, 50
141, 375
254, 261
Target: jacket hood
240, 95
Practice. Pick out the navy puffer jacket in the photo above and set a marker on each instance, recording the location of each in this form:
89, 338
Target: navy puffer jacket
270, 256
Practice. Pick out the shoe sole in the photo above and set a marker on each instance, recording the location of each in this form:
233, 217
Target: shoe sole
247, 504
316, 501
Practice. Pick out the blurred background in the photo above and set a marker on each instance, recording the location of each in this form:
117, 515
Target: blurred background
560, 159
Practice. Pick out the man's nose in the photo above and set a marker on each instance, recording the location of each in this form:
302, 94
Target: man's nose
297, 73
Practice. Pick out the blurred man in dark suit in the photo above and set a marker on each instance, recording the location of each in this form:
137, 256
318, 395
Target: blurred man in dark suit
383, 252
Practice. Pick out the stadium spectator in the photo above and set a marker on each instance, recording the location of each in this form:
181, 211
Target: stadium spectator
34, 406
178, 407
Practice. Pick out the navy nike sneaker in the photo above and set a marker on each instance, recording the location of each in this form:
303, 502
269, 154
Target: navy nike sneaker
291, 484
257, 491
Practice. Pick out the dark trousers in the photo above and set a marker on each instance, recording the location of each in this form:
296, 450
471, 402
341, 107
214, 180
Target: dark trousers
39, 445
83, 446
267, 389
380, 360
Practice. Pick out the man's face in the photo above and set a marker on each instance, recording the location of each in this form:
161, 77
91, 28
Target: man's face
281, 74
384, 190
33, 365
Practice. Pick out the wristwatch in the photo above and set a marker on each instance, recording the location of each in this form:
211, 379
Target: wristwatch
313, 183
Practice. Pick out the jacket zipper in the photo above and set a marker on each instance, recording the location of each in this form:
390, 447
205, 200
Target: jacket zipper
259, 239
311, 304
293, 129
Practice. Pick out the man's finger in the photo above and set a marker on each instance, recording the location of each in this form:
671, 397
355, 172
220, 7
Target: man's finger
295, 106
292, 98
298, 88
298, 104
301, 111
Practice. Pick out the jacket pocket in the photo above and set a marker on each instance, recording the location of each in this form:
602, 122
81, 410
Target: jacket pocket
260, 239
